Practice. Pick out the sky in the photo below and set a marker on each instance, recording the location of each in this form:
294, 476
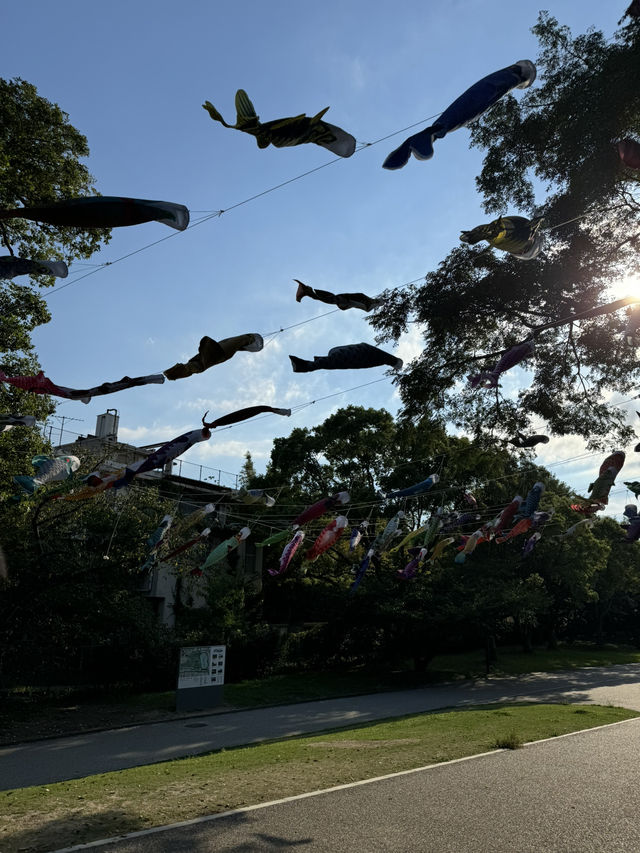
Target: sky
133, 76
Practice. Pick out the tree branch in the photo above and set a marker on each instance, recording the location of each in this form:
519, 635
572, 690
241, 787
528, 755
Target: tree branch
579, 367
5, 239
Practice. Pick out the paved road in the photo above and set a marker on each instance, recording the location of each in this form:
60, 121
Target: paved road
577, 794
54, 760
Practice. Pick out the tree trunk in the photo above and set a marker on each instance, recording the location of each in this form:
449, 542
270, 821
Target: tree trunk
491, 654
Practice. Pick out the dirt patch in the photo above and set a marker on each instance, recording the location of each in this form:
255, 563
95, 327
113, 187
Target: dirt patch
363, 744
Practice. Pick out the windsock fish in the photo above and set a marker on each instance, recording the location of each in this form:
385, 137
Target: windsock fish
287, 555
506, 516
437, 551
225, 548
411, 569
10, 267
489, 378
103, 212
48, 470
382, 540
320, 507
416, 489
470, 105
274, 538
327, 538
532, 500
364, 565
531, 543
469, 547
356, 535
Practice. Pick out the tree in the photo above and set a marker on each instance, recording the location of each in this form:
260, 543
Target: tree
40, 153
478, 303
447, 605
72, 592
247, 472
616, 586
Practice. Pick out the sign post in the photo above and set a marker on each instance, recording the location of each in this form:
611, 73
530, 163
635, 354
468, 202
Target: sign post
200, 678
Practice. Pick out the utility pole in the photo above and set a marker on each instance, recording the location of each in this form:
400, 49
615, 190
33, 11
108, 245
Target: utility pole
62, 419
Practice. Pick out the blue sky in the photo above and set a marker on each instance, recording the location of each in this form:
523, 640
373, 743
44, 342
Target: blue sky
132, 78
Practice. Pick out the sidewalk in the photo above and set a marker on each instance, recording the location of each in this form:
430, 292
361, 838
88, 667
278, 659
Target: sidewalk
53, 760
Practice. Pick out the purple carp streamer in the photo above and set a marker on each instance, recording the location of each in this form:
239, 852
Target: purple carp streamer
287, 555
489, 378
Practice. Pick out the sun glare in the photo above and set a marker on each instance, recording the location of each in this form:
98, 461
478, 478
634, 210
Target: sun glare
628, 286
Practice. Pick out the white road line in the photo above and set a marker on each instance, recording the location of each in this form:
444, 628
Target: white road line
208, 818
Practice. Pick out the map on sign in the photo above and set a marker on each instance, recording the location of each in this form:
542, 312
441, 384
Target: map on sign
201, 666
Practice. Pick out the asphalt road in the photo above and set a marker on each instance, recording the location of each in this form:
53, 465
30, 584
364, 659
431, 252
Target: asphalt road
43, 762
576, 794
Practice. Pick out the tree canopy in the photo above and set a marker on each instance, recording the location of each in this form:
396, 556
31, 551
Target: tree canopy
559, 139
40, 153
40, 162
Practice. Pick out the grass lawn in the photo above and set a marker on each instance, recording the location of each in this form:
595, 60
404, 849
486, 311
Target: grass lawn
30, 714
513, 661
53, 816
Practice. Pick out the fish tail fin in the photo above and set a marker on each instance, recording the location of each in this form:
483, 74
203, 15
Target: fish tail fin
244, 108
303, 290
300, 365
213, 112
26, 483
421, 144
399, 157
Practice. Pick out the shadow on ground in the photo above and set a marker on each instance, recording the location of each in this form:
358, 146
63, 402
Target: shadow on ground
66, 831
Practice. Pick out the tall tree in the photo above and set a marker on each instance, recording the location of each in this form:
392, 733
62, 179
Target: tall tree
560, 137
247, 472
40, 162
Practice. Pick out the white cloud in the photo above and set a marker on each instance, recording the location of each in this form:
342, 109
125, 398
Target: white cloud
134, 435
259, 448
410, 345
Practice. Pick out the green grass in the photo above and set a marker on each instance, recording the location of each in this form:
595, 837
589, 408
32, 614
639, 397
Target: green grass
512, 661
52, 816
301, 687
282, 689
512, 740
